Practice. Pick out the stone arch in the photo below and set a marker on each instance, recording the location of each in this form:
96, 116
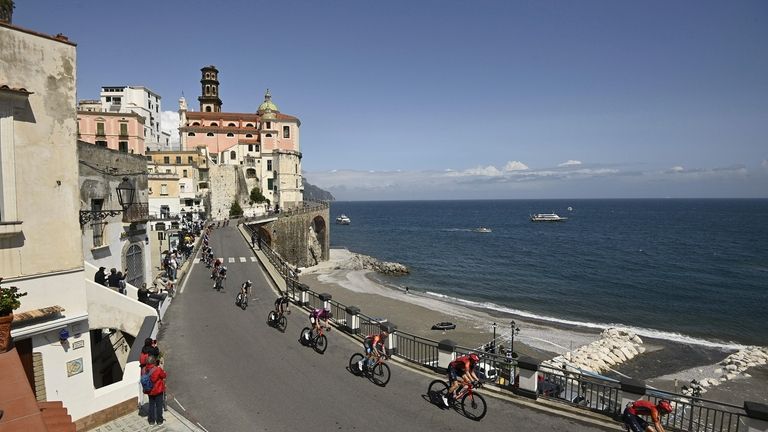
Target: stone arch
251, 173
265, 235
320, 227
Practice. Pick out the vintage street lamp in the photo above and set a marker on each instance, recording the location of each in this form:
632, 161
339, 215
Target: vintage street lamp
493, 342
515, 331
125, 194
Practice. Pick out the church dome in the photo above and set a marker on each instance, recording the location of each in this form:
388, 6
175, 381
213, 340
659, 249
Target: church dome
268, 106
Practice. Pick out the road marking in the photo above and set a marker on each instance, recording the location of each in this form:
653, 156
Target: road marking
242, 259
253, 259
179, 404
197, 261
231, 259
184, 285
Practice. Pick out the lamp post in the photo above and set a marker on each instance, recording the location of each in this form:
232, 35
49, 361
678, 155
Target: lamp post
493, 342
515, 330
125, 194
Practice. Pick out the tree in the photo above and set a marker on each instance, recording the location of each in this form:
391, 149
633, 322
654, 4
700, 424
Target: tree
235, 210
257, 197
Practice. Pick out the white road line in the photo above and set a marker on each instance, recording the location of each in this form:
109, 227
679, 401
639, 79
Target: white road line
231, 259
201, 427
253, 259
242, 259
179, 404
197, 261
184, 285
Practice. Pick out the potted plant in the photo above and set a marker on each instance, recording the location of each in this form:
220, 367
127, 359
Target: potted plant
9, 301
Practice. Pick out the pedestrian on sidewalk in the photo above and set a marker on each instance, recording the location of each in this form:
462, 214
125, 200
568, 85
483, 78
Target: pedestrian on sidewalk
156, 394
100, 277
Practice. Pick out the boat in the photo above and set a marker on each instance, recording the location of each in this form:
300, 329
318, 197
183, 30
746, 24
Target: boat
343, 220
547, 217
445, 325
481, 230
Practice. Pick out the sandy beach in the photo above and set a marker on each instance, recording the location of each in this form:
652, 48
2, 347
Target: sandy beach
415, 312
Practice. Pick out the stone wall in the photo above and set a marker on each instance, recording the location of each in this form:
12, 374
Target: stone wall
302, 238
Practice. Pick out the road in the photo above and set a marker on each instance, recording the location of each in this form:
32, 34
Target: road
229, 371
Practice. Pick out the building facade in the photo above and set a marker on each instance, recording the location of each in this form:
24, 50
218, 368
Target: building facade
139, 100
123, 132
263, 146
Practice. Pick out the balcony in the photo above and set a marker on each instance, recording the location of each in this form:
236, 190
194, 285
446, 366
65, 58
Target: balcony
136, 213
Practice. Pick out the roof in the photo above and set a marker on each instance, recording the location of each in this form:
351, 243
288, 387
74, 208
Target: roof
235, 116
58, 38
18, 90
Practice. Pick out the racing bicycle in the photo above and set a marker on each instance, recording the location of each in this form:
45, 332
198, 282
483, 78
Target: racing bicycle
277, 320
318, 341
378, 372
472, 404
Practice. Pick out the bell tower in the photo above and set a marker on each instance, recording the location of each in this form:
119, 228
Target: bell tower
209, 89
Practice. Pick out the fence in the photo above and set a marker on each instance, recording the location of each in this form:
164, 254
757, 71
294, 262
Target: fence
587, 391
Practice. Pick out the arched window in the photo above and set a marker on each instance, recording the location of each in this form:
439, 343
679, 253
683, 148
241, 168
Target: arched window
232, 155
191, 134
214, 124
213, 90
196, 124
230, 135
250, 125
210, 134
268, 135
208, 109
207, 90
248, 135
250, 173
232, 125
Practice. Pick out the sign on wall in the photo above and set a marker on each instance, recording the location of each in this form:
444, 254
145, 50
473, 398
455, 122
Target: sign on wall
74, 367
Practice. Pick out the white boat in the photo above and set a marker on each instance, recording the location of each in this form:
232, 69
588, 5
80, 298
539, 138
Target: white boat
343, 220
481, 230
547, 217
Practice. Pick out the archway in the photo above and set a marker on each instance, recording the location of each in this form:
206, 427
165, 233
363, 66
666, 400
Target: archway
321, 231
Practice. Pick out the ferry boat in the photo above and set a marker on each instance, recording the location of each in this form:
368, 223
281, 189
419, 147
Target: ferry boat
481, 230
547, 217
343, 220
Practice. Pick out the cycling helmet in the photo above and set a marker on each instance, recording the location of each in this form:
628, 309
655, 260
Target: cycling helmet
664, 406
474, 358
248, 283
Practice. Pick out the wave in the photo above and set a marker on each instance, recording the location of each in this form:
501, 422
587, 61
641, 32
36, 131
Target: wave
642, 331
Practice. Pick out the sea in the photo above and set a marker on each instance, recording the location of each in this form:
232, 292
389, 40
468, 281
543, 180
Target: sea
687, 270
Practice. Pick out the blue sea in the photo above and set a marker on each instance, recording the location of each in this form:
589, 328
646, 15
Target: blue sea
688, 270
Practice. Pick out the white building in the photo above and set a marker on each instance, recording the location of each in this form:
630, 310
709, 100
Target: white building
143, 101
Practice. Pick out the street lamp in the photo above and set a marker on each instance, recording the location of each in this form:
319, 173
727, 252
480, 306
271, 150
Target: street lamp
125, 194
493, 342
515, 331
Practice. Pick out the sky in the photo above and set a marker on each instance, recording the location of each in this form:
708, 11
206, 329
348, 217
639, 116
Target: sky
452, 99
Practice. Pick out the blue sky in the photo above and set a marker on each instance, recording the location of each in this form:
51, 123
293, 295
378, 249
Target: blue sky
448, 99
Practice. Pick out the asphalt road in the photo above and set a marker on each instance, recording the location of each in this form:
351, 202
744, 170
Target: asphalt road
229, 371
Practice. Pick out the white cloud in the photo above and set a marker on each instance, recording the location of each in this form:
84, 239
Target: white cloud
489, 171
515, 166
677, 168
764, 164
570, 162
169, 121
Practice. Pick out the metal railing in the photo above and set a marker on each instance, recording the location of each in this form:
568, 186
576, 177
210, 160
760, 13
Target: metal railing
588, 391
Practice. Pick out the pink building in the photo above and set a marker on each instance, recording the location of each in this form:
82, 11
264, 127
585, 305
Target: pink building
118, 131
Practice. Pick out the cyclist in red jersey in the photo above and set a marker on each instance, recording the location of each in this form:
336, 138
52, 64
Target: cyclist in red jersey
461, 371
634, 410
373, 345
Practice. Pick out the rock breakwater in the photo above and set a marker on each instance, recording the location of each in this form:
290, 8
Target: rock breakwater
615, 346
365, 262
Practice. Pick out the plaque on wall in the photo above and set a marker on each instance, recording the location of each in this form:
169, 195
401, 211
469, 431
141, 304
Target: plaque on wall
78, 344
74, 367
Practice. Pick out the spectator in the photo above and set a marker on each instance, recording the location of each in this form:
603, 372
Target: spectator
150, 349
156, 394
114, 278
100, 277
150, 298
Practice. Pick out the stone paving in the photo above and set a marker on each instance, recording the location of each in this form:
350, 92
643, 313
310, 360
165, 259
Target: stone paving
137, 421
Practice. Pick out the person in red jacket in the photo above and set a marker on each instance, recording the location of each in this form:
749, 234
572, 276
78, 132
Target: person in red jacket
644, 407
157, 375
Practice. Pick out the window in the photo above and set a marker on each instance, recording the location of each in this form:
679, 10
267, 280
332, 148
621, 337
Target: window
184, 173
268, 135
230, 135
270, 184
178, 160
286, 131
164, 189
269, 125
232, 155
210, 134
191, 134
123, 146
101, 143
124, 129
196, 124
232, 125
100, 129
166, 159
214, 124
249, 135
250, 125
250, 173
207, 90
214, 90
190, 159
256, 148
97, 225
165, 212
208, 109
250, 147
181, 187
269, 165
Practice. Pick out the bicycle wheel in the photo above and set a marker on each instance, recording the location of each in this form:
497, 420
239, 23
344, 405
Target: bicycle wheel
474, 406
380, 374
321, 343
238, 300
271, 318
437, 389
282, 324
304, 336
356, 357
244, 302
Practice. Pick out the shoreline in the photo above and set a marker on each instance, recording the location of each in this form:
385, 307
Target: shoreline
415, 312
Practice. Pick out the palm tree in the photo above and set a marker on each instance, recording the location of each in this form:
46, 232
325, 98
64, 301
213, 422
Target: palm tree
6, 10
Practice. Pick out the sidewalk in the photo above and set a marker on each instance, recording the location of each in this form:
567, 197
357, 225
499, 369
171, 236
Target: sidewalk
174, 422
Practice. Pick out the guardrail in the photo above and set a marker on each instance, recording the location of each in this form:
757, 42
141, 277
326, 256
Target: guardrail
577, 389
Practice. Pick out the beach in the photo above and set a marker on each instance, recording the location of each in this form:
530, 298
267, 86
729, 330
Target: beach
414, 312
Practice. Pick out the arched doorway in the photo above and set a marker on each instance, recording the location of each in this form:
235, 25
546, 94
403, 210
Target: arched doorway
321, 232
134, 263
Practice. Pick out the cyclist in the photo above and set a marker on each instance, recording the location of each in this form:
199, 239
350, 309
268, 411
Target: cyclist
461, 371
216, 267
222, 274
316, 316
282, 305
634, 410
245, 288
374, 346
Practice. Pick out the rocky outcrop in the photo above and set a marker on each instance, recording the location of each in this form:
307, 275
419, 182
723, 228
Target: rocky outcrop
614, 347
734, 366
314, 248
365, 262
